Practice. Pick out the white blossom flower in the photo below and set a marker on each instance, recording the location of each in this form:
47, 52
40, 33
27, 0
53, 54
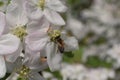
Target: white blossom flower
45, 39
16, 14
25, 73
27, 68
48, 8
35, 60
9, 45
16, 18
114, 53
80, 72
34, 25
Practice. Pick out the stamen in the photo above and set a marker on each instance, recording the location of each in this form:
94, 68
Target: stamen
41, 3
19, 32
23, 72
54, 34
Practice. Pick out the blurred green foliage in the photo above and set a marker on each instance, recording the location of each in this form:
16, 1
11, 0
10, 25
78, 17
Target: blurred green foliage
6, 76
1, 3
92, 61
73, 57
76, 6
56, 74
95, 62
100, 40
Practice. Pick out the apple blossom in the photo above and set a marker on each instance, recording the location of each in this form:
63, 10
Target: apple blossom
35, 60
30, 31
16, 18
48, 8
44, 39
9, 44
28, 68
25, 73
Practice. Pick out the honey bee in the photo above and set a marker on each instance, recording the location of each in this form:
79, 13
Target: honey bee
55, 36
60, 44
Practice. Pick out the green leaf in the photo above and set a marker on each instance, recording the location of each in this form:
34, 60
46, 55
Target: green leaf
95, 61
74, 57
1, 3
69, 54
56, 74
6, 76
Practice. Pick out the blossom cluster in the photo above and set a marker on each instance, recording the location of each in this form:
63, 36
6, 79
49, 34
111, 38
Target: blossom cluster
81, 72
32, 38
100, 31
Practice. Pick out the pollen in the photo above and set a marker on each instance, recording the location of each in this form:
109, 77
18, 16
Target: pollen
54, 34
19, 32
41, 3
23, 72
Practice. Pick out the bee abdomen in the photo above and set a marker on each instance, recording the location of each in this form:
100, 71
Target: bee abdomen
61, 49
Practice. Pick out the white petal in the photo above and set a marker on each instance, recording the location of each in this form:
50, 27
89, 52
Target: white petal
33, 1
56, 5
37, 41
10, 67
2, 22
71, 43
54, 17
16, 14
12, 57
8, 44
2, 67
32, 59
13, 76
36, 76
64, 34
54, 59
33, 11
35, 25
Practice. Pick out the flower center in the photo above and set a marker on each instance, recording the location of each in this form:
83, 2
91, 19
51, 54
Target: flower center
41, 4
19, 32
54, 34
23, 72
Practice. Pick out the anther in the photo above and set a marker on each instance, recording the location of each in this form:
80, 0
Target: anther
41, 4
